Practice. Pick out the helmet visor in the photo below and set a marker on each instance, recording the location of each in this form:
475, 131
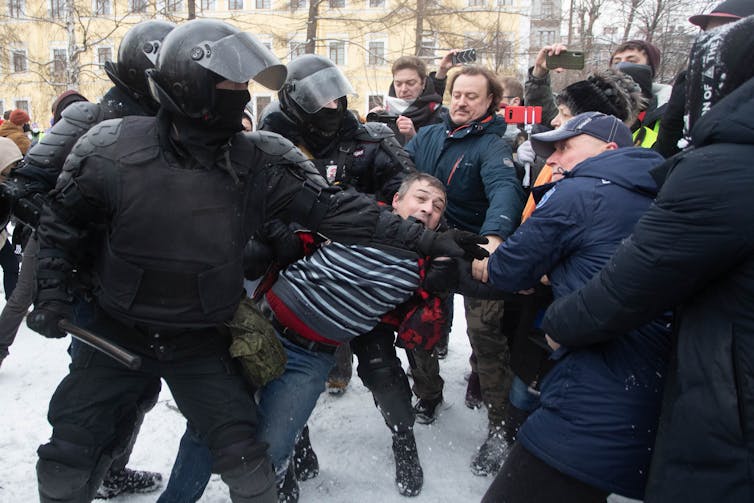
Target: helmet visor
318, 89
239, 58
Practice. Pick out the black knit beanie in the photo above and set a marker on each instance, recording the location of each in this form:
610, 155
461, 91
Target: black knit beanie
607, 91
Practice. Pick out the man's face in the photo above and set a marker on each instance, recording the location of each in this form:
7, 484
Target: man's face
630, 56
509, 100
423, 202
564, 113
470, 98
407, 83
568, 153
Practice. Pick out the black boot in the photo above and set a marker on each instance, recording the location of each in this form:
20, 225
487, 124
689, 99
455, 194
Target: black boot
473, 398
305, 462
288, 488
426, 410
128, 481
409, 476
491, 454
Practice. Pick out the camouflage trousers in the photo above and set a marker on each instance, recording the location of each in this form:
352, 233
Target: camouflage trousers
490, 345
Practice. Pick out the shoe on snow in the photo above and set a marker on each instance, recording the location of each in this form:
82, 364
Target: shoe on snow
288, 487
128, 481
426, 410
409, 476
491, 455
305, 462
336, 386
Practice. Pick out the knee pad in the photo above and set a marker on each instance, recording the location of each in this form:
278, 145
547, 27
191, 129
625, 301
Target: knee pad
69, 466
246, 469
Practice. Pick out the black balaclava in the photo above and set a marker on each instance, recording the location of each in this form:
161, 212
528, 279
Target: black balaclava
322, 126
720, 60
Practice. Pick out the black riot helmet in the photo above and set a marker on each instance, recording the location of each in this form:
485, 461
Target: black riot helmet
136, 54
201, 53
314, 81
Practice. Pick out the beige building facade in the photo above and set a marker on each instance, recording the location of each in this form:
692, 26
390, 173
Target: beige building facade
49, 46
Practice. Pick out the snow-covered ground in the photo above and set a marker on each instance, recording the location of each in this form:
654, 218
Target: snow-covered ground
351, 440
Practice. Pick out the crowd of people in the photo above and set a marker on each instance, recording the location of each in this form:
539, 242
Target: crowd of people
605, 259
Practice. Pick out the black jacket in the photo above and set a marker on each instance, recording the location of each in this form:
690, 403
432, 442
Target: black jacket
693, 249
365, 157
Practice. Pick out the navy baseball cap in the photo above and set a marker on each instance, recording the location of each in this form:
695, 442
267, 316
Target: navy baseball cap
596, 124
731, 10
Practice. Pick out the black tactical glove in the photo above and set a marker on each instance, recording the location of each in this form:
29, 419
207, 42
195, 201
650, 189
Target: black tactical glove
453, 243
45, 317
441, 277
284, 242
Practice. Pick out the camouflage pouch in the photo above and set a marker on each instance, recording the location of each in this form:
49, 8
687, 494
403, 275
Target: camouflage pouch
255, 345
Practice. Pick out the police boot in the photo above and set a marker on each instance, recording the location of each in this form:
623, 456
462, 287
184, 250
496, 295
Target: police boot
288, 487
409, 476
128, 481
492, 453
305, 462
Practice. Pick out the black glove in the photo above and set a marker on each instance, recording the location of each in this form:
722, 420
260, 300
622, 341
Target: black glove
441, 277
453, 243
284, 242
45, 317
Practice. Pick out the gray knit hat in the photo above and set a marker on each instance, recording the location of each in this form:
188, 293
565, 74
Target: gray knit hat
607, 91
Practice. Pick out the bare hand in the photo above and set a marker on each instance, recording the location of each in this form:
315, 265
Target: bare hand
406, 126
446, 63
554, 345
479, 270
540, 63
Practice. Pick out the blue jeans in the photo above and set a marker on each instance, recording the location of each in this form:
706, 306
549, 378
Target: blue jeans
520, 396
284, 408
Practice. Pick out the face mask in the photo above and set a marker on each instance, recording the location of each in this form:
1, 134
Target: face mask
327, 121
228, 110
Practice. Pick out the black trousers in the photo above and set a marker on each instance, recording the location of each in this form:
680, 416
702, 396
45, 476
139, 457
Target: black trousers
9, 263
524, 478
381, 372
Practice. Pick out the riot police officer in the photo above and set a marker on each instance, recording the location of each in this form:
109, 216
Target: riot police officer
167, 282
24, 192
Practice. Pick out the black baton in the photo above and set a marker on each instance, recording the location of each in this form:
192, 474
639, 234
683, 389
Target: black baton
114, 351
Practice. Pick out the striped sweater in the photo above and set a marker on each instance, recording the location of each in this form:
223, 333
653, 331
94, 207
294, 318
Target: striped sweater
342, 291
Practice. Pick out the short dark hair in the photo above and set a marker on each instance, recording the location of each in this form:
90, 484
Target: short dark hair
650, 50
513, 87
418, 176
411, 63
493, 84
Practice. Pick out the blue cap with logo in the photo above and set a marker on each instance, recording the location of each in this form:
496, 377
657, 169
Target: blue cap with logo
596, 124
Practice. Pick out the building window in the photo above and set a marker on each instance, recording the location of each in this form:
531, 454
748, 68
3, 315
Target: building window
376, 52
56, 9
2, 107
263, 4
298, 4
375, 4
23, 105
427, 50
546, 37
476, 3
297, 49
59, 64
174, 5
547, 9
104, 54
19, 60
375, 100
137, 6
15, 8
102, 7
337, 4
337, 50
235, 4
503, 3
208, 5
260, 103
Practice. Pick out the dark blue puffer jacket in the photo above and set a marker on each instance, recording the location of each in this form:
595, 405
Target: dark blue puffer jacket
475, 165
600, 403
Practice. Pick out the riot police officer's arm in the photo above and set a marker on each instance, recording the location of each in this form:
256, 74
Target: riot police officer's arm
22, 194
76, 207
296, 192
